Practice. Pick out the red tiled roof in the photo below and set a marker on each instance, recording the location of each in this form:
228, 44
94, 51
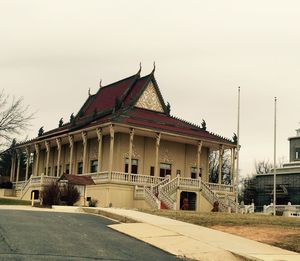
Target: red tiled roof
163, 122
127, 90
107, 95
136, 88
77, 180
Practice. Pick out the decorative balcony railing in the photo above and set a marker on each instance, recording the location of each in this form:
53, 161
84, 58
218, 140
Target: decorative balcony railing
220, 187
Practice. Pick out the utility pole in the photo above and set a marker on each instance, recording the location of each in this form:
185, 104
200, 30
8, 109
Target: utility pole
274, 187
237, 154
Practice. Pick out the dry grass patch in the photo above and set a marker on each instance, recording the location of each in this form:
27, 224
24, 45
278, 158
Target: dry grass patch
279, 231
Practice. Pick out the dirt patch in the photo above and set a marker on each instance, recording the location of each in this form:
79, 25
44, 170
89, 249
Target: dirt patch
287, 238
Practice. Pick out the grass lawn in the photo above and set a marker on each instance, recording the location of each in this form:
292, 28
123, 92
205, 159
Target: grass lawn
8, 201
278, 231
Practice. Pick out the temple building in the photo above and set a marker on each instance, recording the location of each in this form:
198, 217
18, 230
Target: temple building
260, 188
138, 155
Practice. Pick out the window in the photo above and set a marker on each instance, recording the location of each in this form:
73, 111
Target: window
79, 167
165, 169
134, 166
94, 166
151, 171
194, 172
67, 168
297, 152
55, 171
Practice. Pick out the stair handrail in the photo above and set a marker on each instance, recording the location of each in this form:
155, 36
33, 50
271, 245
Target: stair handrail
25, 187
167, 200
151, 198
160, 184
171, 186
212, 197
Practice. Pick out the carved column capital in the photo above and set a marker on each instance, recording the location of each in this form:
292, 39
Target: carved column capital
200, 146
131, 134
37, 148
58, 142
71, 141
158, 137
47, 145
84, 137
99, 134
111, 131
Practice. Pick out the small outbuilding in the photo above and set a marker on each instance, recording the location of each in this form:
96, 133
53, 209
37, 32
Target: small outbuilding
79, 182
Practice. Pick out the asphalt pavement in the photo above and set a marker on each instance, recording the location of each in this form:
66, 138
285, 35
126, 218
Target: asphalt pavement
40, 235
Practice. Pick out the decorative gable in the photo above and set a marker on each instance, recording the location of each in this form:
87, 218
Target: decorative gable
149, 99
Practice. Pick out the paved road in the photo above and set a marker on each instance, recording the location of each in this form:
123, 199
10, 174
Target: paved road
30, 235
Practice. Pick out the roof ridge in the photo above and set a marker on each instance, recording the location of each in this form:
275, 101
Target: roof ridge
109, 85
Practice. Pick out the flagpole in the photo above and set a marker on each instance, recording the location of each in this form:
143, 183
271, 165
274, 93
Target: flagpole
274, 186
237, 154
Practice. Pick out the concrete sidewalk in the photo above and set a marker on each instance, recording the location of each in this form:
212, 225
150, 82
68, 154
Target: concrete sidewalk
195, 242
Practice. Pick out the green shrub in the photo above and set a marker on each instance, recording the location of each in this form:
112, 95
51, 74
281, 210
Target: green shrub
51, 195
70, 194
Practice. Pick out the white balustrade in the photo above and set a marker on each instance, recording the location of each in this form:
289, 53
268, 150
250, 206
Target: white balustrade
189, 183
151, 198
119, 176
167, 200
220, 187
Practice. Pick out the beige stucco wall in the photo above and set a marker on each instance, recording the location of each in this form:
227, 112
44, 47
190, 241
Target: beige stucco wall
112, 195
204, 205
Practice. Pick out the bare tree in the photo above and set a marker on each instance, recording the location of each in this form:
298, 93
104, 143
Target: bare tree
214, 167
14, 117
263, 167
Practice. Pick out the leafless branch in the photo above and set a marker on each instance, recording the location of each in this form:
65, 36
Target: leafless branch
14, 116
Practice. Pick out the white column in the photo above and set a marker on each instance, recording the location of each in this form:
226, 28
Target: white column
130, 153
232, 172
220, 164
84, 156
158, 136
18, 166
37, 158
71, 146
27, 163
47, 145
208, 164
100, 137
58, 142
111, 150
12, 167
199, 158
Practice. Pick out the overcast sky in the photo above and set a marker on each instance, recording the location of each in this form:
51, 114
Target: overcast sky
52, 52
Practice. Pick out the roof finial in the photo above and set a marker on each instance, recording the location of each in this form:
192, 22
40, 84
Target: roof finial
100, 83
89, 92
153, 67
140, 69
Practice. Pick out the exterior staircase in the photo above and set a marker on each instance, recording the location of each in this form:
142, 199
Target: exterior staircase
163, 194
212, 197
